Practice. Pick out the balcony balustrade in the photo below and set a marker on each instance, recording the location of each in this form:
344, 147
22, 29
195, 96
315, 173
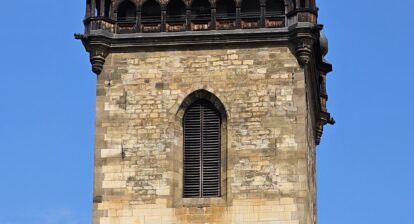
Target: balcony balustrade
201, 16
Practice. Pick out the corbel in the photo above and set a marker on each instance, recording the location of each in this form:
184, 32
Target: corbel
97, 56
303, 52
97, 52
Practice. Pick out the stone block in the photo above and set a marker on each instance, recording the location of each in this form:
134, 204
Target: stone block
108, 153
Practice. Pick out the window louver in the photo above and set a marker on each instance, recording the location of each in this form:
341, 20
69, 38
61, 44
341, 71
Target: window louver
202, 150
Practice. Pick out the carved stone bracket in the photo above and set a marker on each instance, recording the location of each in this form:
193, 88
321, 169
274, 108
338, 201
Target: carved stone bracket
324, 118
98, 50
213, 3
163, 3
303, 52
97, 56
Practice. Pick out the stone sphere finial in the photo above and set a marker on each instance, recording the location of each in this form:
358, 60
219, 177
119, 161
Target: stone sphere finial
323, 43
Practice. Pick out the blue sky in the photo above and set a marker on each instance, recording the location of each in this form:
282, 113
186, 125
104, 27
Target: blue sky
47, 105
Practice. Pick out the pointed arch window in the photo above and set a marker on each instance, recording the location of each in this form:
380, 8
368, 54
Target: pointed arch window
250, 14
226, 15
176, 16
127, 11
107, 8
151, 16
97, 11
200, 15
275, 7
226, 9
202, 153
275, 13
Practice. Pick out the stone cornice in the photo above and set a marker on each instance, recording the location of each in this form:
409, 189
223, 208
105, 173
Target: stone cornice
303, 35
180, 39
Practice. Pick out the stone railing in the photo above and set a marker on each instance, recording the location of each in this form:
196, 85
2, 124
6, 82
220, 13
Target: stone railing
181, 23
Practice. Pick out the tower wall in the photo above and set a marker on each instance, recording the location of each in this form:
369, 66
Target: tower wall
268, 144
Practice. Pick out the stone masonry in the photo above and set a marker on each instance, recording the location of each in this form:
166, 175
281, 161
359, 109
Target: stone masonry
268, 146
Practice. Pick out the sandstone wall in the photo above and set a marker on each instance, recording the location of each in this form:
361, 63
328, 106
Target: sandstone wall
267, 154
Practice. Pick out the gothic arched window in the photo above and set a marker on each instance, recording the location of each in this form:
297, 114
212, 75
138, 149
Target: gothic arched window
107, 8
250, 14
200, 10
97, 11
202, 153
275, 7
250, 8
151, 12
127, 11
176, 16
226, 9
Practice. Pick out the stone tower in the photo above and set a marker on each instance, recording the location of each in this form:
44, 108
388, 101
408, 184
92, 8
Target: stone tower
207, 111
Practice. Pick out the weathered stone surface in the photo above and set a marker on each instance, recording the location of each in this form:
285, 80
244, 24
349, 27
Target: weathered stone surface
268, 148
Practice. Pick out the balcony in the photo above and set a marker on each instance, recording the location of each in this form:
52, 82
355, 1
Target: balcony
175, 16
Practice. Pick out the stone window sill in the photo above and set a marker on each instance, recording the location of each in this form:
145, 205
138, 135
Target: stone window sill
200, 202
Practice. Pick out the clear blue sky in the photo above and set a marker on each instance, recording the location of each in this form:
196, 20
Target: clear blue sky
47, 105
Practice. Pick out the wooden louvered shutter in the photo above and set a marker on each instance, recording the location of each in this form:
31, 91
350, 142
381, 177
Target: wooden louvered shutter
202, 150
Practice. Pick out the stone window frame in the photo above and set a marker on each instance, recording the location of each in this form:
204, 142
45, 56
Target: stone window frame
178, 151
